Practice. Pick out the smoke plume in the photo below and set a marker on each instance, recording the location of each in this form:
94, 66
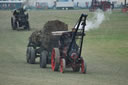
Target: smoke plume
98, 17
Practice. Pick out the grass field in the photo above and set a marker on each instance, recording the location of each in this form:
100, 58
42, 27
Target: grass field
105, 50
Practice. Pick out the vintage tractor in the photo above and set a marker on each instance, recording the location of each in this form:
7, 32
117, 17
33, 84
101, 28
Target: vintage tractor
103, 5
58, 47
19, 20
68, 52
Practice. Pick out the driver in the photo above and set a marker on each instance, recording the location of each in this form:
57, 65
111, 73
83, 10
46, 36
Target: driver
20, 11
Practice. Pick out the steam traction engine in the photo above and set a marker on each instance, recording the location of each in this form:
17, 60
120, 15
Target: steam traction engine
68, 53
20, 19
103, 5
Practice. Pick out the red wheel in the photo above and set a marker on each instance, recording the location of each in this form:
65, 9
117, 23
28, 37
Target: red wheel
55, 59
62, 65
83, 66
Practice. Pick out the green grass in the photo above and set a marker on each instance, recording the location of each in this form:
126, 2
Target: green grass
105, 51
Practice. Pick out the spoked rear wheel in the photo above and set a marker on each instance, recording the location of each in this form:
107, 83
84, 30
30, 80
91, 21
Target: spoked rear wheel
62, 65
55, 59
83, 66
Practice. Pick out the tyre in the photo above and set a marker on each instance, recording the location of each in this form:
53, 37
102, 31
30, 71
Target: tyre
83, 66
17, 26
43, 59
27, 26
62, 65
13, 24
55, 59
27, 16
32, 55
28, 54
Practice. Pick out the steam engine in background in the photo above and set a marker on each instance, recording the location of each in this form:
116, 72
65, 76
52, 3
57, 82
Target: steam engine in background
125, 7
103, 5
41, 5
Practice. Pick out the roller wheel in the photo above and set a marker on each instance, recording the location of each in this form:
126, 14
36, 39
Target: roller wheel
83, 66
43, 59
55, 59
62, 65
32, 55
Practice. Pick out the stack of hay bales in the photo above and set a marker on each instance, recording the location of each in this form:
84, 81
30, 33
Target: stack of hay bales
44, 38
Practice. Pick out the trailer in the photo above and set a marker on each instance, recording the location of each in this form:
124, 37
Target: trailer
42, 41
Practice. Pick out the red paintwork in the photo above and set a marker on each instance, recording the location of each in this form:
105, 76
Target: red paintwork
53, 59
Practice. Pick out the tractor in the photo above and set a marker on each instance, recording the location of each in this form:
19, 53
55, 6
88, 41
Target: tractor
19, 20
103, 5
62, 49
68, 52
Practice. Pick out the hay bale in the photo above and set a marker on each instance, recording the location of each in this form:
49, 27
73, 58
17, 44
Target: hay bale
44, 37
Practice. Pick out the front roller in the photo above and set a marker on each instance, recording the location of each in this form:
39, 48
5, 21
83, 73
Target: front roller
55, 59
